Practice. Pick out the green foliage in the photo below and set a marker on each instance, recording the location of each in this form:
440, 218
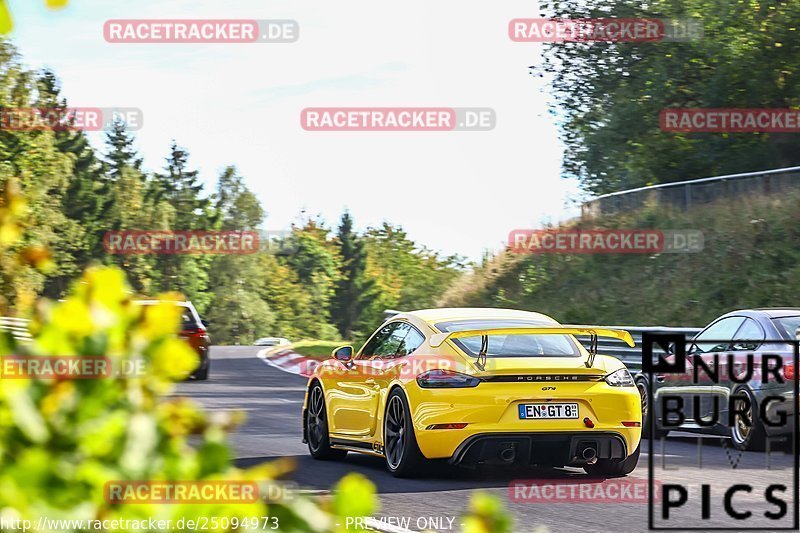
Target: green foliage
61, 441
406, 276
610, 94
326, 286
354, 291
751, 259
354, 497
486, 514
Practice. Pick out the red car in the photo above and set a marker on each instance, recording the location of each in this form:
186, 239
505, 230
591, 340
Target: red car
194, 330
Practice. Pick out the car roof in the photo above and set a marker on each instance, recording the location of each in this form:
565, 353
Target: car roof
769, 312
448, 314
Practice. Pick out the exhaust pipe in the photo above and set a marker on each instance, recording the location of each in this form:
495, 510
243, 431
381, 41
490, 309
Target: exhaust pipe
508, 455
589, 454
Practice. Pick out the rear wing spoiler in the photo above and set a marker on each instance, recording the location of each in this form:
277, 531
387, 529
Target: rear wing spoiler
593, 332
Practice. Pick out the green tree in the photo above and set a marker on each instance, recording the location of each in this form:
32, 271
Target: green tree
292, 304
178, 193
316, 263
85, 201
181, 188
407, 276
235, 205
609, 95
122, 153
43, 173
354, 291
129, 205
239, 313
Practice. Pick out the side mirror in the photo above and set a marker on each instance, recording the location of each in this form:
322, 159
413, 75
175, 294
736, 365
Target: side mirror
343, 353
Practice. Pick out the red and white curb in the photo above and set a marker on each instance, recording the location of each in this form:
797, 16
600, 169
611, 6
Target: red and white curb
288, 360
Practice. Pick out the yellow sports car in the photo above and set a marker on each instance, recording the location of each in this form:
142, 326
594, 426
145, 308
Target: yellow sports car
491, 386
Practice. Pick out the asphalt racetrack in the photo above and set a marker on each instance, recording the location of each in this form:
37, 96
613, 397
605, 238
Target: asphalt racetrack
560, 500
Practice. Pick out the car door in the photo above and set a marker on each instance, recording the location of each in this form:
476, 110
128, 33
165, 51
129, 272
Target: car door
388, 362
726, 331
682, 385
350, 401
377, 367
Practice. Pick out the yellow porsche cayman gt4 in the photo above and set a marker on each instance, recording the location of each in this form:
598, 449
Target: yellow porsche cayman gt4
476, 386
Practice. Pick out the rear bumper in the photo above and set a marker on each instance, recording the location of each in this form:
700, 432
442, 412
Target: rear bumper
539, 448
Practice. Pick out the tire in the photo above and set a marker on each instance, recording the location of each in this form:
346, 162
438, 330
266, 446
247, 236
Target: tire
201, 374
319, 443
402, 455
614, 467
754, 437
644, 394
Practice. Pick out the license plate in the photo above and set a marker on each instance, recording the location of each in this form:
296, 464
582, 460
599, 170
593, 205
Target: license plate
548, 410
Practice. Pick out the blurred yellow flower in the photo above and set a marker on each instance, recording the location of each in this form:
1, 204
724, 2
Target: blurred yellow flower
56, 4
6, 23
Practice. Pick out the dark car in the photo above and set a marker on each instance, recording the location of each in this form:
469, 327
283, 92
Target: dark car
194, 331
748, 331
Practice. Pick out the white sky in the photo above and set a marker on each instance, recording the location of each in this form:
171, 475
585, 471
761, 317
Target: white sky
458, 192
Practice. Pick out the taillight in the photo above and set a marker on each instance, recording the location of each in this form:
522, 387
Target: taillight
447, 426
196, 333
446, 379
788, 371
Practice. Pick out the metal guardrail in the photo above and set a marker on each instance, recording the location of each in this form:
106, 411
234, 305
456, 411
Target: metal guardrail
684, 194
17, 326
632, 357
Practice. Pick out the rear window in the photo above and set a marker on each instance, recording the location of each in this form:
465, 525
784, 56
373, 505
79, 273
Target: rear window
788, 325
188, 319
511, 345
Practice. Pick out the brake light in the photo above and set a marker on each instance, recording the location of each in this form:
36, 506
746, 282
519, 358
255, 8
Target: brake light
788, 371
446, 379
198, 333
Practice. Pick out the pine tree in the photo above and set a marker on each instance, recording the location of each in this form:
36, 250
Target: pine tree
178, 191
121, 153
183, 190
236, 207
84, 200
354, 291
